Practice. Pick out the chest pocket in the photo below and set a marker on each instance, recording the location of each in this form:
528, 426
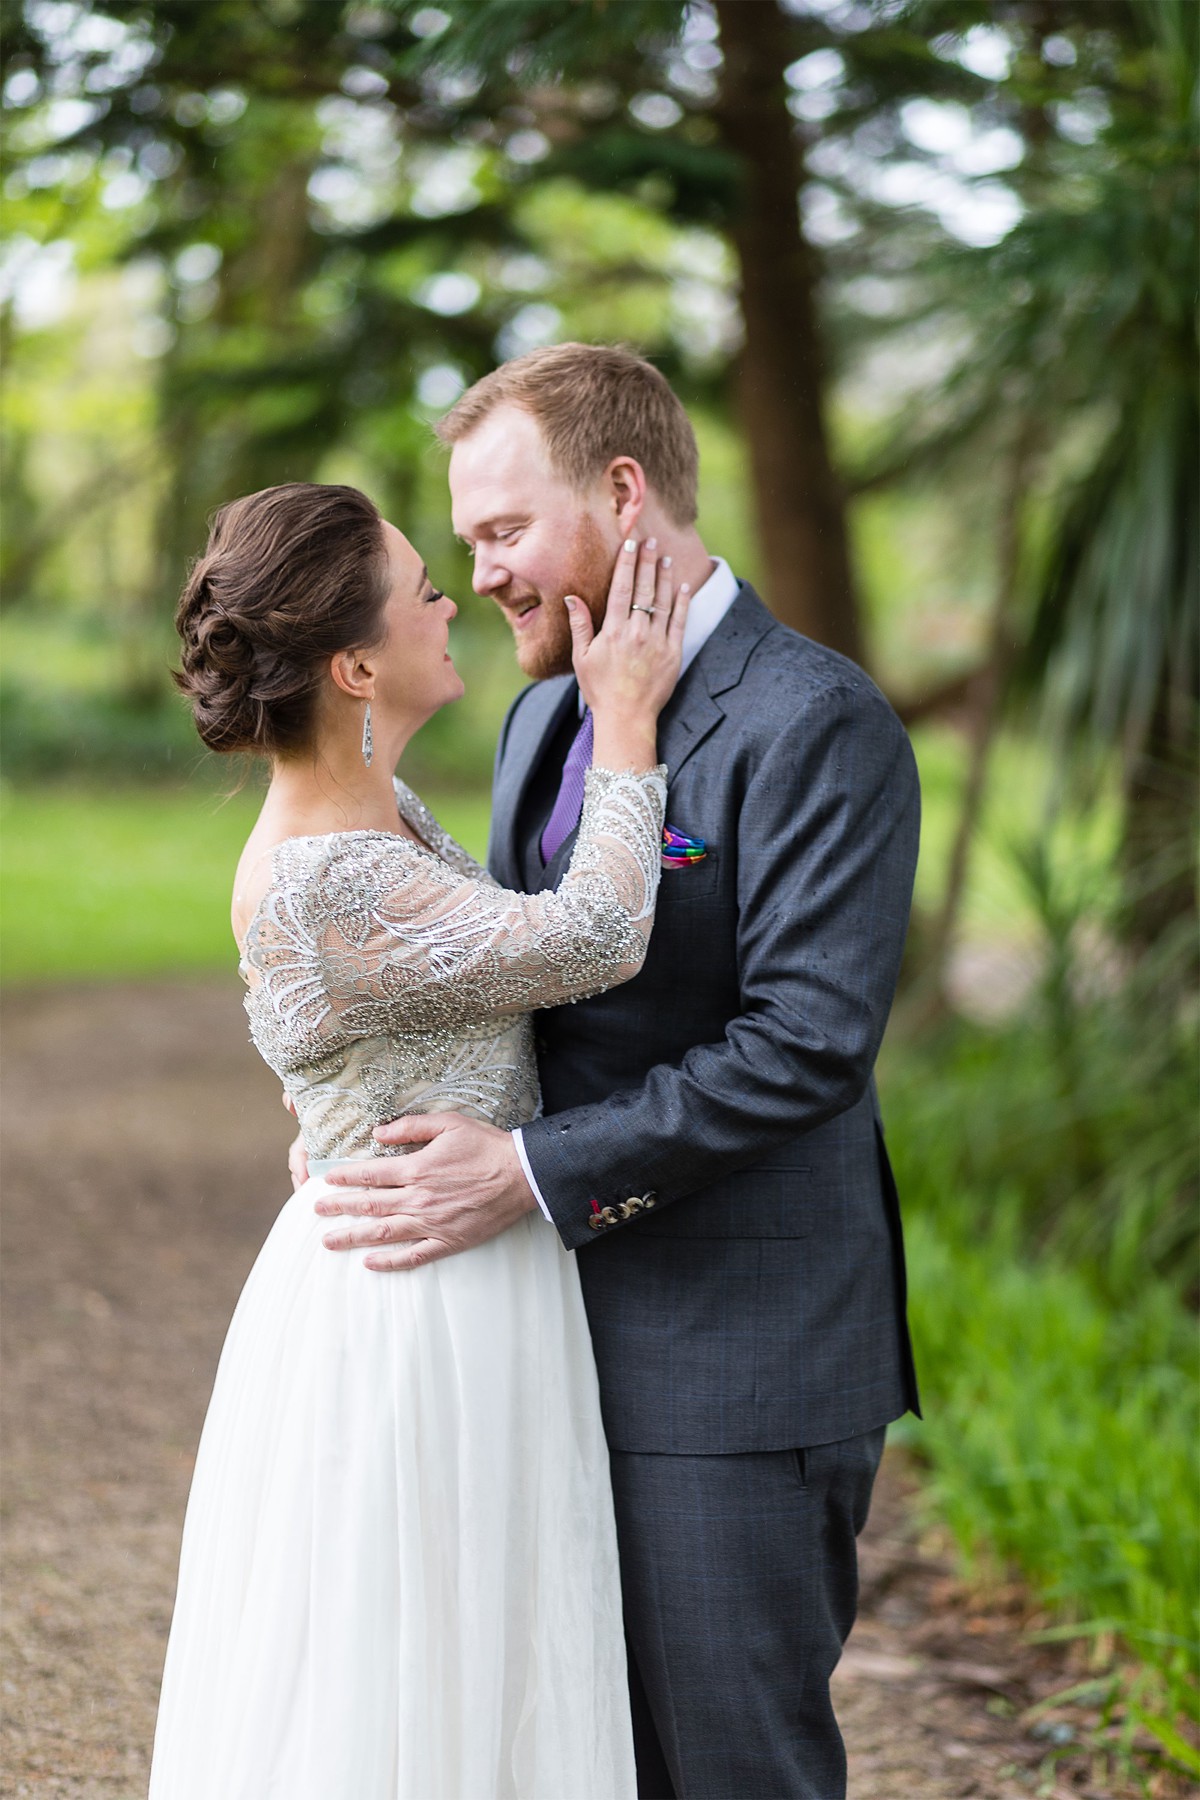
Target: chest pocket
681, 887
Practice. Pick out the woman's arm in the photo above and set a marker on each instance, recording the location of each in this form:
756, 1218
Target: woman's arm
396, 940
399, 941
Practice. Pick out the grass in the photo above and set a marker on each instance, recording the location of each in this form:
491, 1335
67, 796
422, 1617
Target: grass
1062, 1434
1060, 1438
1048, 1173
127, 882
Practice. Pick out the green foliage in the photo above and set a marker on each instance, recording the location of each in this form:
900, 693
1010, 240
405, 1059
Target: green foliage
1061, 1434
1078, 336
547, 39
1048, 1169
65, 737
1081, 1106
317, 229
1026, 803
1116, 625
301, 182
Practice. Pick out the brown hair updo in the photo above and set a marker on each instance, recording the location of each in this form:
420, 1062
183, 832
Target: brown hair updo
289, 577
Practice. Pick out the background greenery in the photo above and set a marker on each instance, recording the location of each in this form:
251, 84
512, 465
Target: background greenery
947, 414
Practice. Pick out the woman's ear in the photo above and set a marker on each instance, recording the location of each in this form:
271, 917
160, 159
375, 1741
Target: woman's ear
354, 673
626, 483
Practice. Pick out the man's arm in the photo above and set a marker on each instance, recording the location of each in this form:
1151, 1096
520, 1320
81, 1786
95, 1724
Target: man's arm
826, 856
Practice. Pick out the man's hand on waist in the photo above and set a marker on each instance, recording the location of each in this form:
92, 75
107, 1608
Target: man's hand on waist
462, 1185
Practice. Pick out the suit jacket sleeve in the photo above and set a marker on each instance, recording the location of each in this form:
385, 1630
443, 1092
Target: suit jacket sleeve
827, 849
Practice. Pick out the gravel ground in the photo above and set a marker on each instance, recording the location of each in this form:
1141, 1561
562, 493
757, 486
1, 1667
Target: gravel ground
143, 1164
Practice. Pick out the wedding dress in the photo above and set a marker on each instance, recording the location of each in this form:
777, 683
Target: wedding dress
398, 1578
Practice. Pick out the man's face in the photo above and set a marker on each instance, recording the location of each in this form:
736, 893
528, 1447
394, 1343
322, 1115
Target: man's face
534, 538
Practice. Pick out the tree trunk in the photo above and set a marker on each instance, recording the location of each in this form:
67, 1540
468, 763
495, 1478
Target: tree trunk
214, 450
801, 513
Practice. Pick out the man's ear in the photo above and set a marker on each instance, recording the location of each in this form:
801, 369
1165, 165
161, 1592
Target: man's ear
626, 483
353, 672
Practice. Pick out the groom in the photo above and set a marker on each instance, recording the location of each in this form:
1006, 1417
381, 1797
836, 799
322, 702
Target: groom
711, 1140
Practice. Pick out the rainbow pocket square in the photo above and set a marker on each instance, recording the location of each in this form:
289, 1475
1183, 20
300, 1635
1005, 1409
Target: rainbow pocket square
680, 852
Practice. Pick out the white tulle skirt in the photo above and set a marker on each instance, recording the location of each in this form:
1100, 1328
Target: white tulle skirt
399, 1578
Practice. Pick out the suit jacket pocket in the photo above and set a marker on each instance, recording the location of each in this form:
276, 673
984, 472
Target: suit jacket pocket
694, 883
755, 1203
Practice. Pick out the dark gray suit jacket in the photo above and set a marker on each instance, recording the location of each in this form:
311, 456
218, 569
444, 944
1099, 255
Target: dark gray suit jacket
759, 1302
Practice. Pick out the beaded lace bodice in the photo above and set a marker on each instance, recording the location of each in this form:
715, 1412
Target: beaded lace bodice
387, 978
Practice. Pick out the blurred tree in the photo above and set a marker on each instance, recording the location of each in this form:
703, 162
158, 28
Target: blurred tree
285, 322
289, 138
1077, 333
722, 151
701, 111
355, 208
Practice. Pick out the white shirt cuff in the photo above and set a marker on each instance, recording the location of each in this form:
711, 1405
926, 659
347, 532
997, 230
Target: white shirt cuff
523, 1159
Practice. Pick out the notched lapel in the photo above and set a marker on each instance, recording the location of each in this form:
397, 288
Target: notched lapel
694, 710
724, 657
537, 718
691, 715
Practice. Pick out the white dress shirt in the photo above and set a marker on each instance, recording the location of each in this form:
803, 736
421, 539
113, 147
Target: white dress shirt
709, 605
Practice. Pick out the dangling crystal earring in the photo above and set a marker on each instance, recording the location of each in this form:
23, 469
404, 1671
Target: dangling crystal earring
368, 746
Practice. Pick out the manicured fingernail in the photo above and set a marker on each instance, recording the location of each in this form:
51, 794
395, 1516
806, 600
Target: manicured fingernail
665, 563
652, 543
685, 587
631, 544
570, 602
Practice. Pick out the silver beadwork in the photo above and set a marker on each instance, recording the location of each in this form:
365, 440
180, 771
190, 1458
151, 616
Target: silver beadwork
386, 978
368, 744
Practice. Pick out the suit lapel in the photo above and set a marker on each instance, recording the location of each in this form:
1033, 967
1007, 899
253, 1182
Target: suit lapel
537, 719
694, 710
689, 717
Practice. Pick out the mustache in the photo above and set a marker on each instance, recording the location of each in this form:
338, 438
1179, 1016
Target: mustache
512, 597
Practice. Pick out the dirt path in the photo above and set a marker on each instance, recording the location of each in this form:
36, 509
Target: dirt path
144, 1163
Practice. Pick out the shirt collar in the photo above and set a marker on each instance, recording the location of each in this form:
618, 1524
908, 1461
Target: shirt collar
711, 601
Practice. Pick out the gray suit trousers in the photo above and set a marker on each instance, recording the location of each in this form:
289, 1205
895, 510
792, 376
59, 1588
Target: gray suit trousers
741, 1586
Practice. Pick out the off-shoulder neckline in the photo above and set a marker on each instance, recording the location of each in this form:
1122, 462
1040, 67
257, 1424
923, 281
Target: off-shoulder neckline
403, 792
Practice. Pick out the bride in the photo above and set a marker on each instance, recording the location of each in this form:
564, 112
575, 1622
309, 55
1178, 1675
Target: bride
398, 1578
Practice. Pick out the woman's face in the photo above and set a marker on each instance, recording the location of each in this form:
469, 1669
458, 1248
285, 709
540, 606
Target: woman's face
414, 675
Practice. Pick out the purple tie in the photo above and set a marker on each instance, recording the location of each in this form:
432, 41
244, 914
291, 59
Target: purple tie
569, 804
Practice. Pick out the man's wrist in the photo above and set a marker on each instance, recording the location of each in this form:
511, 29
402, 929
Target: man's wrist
537, 1201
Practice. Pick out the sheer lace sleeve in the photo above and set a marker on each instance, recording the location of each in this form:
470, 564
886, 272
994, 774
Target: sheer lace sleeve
395, 939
